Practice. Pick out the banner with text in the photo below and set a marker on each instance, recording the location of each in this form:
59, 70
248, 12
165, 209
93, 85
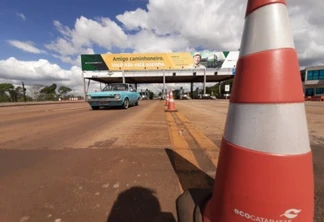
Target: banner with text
160, 61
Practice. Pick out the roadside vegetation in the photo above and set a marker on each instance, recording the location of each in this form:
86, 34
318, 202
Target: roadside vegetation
10, 93
37, 92
217, 90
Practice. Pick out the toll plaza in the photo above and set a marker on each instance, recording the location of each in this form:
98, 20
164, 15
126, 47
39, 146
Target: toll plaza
145, 68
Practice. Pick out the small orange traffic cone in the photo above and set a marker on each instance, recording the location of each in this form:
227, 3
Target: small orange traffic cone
167, 99
171, 105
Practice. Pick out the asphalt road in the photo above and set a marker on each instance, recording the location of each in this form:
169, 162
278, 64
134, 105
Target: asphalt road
66, 162
69, 163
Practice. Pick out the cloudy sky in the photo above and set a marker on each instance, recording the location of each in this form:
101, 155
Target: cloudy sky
41, 41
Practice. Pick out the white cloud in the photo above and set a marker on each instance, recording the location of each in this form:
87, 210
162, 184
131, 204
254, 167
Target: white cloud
21, 15
308, 30
146, 41
25, 46
167, 26
63, 47
69, 60
206, 24
40, 72
188, 26
87, 32
213, 25
134, 20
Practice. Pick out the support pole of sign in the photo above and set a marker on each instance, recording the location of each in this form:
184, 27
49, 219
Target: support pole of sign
84, 87
163, 94
123, 76
204, 81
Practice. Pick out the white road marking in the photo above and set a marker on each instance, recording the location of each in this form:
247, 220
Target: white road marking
54, 110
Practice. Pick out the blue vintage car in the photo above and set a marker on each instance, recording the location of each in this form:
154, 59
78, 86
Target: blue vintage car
114, 95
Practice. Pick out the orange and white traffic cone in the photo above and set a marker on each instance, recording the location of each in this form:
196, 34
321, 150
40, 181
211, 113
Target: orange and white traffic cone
171, 105
265, 167
167, 100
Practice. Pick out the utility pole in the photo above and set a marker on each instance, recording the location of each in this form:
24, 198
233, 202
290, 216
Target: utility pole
24, 91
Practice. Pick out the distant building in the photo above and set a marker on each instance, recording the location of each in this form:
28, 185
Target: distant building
313, 81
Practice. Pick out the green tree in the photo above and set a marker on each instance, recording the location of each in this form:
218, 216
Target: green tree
63, 91
35, 91
19, 94
215, 88
176, 94
6, 94
151, 95
196, 93
48, 93
49, 89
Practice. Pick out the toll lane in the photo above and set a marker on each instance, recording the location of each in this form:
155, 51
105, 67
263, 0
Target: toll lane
71, 163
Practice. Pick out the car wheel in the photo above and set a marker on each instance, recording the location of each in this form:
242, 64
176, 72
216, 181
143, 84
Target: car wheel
126, 104
95, 107
136, 104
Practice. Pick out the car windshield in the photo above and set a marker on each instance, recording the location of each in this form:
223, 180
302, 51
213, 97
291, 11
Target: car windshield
116, 87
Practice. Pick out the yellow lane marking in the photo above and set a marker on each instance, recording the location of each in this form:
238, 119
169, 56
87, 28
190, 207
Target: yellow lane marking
180, 146
178, 141
210, 148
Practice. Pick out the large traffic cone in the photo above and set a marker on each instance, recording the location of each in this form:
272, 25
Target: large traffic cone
265, 170
171, 105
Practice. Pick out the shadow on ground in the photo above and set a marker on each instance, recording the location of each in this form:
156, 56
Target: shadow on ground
112, 108
138, 204
197, 183
190, 176
197, 187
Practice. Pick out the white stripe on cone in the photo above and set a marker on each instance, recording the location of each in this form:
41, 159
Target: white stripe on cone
263, 32
271, 128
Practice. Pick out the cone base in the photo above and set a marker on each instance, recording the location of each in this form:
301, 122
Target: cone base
191, 203
207, 212
169, 110
256, 186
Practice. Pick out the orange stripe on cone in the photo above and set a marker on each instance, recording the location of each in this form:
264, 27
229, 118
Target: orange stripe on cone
171, 106
251, 185
255, 4
167, 100
268, 77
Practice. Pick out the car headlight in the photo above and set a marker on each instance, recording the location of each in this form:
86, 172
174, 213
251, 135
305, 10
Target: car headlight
117, 96
88, 97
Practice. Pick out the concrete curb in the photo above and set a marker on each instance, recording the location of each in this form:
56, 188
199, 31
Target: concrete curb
39, 103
